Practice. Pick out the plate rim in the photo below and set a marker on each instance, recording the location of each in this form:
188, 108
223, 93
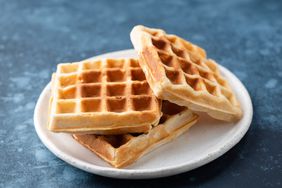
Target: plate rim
145, 173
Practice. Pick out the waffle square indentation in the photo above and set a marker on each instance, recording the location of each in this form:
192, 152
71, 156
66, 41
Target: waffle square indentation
67, 80
115, 76
137, 74
114, 63
194, 82
141, 103
93, 105
134, 63
166, 59
173, 76
116, 105
178, 52
64, 107
68, 93
188, 67
90, 90
90, 77
68, 68
159, 43
116, 90
91, 65
140, 89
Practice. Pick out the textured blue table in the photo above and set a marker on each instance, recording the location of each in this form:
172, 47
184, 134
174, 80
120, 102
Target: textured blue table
244, 36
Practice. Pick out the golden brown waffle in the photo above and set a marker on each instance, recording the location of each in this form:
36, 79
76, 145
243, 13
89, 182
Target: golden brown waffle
122, 150
107, 96
180, 72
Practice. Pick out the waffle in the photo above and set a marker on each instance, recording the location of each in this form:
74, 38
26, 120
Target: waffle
180, 72
107, 96
122, 150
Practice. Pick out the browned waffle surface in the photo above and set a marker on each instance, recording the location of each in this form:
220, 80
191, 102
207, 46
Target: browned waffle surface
179, 71
107, 95
122, 150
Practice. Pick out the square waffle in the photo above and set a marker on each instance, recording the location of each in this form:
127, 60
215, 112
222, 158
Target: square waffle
107, 96
122, 150
180, 72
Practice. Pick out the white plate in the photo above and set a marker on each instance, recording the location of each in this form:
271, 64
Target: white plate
206, 141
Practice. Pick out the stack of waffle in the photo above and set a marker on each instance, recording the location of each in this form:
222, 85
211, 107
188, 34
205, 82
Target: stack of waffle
123, 108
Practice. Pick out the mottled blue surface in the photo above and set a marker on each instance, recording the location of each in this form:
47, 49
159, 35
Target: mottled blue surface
244, 36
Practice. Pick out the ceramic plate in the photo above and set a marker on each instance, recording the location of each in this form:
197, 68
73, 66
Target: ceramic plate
204, 142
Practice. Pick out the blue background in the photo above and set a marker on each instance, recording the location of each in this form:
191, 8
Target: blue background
244, 36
